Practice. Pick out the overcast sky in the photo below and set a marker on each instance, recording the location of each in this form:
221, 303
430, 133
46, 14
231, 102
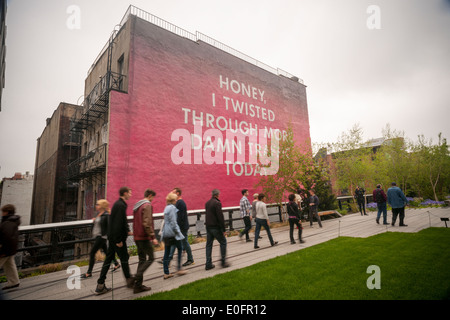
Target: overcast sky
367, 65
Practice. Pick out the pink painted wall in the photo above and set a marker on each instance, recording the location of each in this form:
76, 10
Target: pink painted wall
168, 73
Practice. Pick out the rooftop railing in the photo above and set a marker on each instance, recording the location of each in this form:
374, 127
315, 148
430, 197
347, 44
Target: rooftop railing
198, 36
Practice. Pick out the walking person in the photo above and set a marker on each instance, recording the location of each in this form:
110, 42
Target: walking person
255, 200
262, 220
313, 209
171, 235
380, 198
99, 231
9, 238
183, 223
359, 196
246, 210
118, 231
144, 237
294, 218
397, 200
215, 229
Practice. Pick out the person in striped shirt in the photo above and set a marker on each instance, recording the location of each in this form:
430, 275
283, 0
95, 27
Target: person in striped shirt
246, 209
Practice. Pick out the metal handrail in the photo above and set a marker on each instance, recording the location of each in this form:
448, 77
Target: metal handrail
54, 248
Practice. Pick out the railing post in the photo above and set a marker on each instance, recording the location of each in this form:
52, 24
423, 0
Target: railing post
230, 220
54, 251
199, 235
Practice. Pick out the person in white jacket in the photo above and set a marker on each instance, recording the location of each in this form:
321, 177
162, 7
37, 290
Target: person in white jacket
262, 219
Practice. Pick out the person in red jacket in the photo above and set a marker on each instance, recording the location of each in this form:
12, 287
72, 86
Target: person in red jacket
143, 231
380, 198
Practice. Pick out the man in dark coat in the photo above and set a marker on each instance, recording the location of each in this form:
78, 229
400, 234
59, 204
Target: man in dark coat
118, 231
9, 238
380, 198
215, 229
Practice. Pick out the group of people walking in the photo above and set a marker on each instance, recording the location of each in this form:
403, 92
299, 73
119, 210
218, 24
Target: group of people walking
394, 197
174, 232
173, 235
111, 230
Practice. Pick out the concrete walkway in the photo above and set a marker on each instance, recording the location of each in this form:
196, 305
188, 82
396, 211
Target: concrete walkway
54, 286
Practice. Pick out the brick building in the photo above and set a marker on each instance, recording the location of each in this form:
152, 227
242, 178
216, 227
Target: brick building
54, 197
158, 103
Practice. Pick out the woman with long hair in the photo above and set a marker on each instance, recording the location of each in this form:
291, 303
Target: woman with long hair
99, 231
171, 235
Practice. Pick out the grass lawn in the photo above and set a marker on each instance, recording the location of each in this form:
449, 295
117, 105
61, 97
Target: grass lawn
412, 266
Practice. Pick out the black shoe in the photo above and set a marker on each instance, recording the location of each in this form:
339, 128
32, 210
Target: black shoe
403, 225
275, 243
225, 265
101, 289
292, 242
188, 263
115, 268
210, 267
86, 275
378, 221
248, 240
256, 247
302, 241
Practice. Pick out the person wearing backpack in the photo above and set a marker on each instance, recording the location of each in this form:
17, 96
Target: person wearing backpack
380, 198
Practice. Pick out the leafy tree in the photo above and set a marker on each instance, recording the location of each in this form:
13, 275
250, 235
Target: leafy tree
297, 169
352, 160
434, 164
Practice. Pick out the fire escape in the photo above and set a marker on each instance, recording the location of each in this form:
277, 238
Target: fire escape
91, 164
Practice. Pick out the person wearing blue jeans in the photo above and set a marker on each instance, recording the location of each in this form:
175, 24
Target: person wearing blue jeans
183, 223
215, 229
171, 235
380, 198
262, 220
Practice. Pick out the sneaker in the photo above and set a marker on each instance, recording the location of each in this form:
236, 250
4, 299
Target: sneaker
167, 276
188, 263
101, 289
86, 275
